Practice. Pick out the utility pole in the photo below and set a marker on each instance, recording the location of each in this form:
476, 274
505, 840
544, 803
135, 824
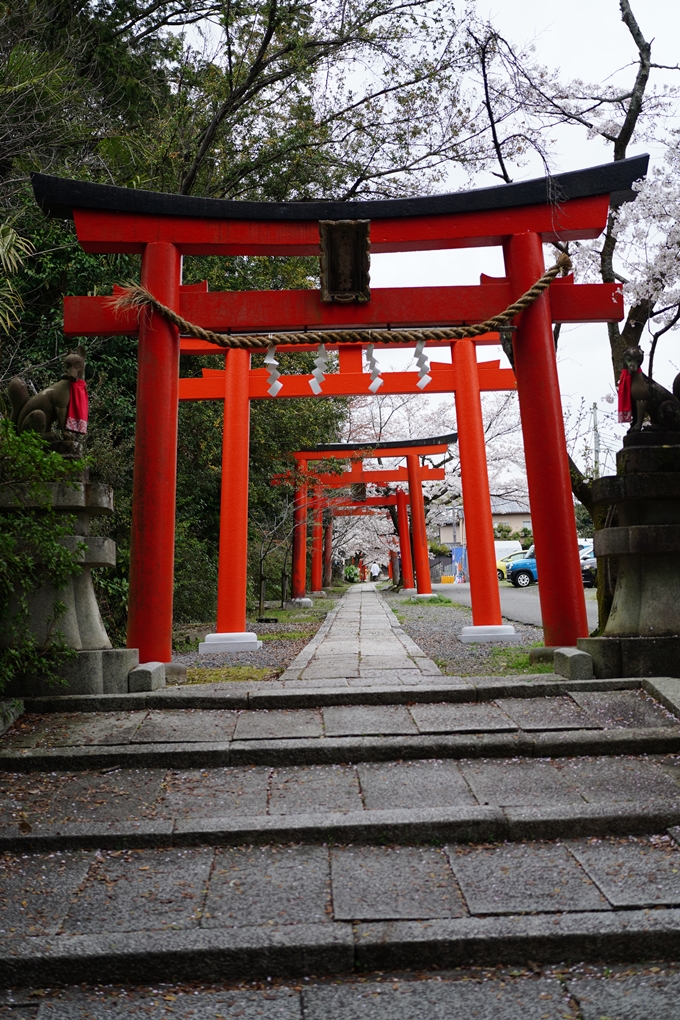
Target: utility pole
596, 443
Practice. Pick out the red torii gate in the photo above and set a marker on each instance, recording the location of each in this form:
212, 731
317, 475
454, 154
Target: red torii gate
161, 228
414, 473
338, 508
356, 476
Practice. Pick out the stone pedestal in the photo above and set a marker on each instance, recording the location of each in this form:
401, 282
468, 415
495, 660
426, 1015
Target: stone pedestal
502, 632
97, 667
642, 634
240, 641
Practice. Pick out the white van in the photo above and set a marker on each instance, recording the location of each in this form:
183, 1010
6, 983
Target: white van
506, 548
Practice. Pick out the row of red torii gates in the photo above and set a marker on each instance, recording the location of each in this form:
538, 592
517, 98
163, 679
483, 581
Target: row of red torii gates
162, 228
311, 504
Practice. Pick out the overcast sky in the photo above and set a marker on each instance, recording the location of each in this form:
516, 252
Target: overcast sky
585, 39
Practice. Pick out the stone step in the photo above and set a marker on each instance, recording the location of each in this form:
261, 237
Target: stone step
399, 826
504, 993
253, 911
306, 694
397, 801
298, 950
571, 723
339, 750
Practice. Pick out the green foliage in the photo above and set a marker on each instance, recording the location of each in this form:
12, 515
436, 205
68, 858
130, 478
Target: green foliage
195, 578
352, 573
585, 527
435, 600
502, 531
525, 536
289, 103
31, 553
13, 249
437, 549
515, 661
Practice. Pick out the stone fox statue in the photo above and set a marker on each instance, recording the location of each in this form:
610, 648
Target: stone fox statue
64, 403
639, 396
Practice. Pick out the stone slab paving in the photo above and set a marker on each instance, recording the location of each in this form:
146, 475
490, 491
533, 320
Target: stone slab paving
406, 784
315, 788
362, 640
523, 879
268, 885
393, 882
129, 794
159, 890
630, 993
616, 711
363, 813
399, 801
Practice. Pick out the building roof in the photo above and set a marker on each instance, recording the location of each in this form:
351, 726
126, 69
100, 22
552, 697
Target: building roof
499, 505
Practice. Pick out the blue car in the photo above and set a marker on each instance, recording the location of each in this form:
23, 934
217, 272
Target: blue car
522, 573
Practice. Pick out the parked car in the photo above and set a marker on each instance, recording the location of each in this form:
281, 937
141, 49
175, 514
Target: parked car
503, 564
506, 547
523, 572
589, 570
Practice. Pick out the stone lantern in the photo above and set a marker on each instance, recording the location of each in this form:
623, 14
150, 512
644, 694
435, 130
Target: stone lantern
642, 634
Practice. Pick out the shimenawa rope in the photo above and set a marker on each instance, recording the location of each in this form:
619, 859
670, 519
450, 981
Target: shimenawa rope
136, 296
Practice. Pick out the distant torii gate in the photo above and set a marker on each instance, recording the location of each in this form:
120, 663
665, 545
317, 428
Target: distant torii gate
356, 476
415, 473
338, 508
162, 228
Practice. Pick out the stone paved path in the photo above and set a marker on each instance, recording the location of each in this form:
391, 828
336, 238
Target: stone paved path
362, 642
363, 815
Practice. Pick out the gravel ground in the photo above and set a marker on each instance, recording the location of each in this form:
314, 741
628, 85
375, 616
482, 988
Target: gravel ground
436, 628
277, 654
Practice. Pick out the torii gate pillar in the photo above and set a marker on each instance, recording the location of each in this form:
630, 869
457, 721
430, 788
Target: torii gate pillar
487, 623
328, 553
418, 527
231, 634
317, 545
552, 506
299, 566
154, 485
404, 539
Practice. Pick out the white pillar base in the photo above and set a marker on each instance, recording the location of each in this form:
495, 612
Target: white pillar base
241, 641
303, 603
425, 595
481, 635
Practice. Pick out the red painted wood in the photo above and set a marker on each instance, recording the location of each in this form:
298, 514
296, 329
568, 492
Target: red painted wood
552, 505
342, 503
251, 311
421, 558
328, 554
209, 387
404, 539
486, 603
101, 231
317, 545
299, 565
233, 554
381, 477
152, 538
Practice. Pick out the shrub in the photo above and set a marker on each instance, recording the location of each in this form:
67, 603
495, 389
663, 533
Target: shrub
352, 574
31, 552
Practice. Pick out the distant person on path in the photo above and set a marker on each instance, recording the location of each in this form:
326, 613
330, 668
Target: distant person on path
375, 571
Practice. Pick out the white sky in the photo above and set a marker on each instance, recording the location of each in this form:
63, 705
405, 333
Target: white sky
585, 39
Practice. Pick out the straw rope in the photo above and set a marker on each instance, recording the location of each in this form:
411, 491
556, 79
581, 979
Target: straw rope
138, 297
